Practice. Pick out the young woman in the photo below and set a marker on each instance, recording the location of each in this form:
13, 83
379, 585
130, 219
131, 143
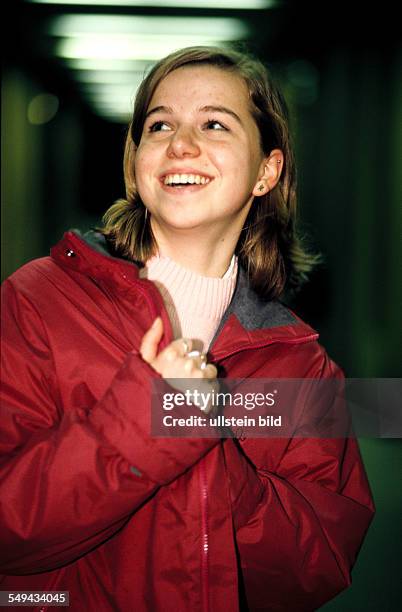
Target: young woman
182, 282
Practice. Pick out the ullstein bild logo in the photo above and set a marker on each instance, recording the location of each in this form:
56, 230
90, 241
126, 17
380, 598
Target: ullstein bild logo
222, 421
325, 408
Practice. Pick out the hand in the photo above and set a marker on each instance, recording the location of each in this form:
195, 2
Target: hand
174, 363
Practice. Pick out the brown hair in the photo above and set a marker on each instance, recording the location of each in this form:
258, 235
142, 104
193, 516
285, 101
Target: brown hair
268, 247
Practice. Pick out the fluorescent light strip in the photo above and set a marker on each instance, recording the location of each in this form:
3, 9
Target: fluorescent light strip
119, 107
85, 64
113, 92
117, 48
80, 25
131, 38
120, 97
103, 108
183, 4
119, 93
108, 77
109, 110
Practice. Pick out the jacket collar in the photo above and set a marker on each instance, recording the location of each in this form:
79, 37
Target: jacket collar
249, 321
257, 322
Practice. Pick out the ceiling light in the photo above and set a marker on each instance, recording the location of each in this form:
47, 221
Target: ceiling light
130, 25
111, 54
183, 4
85, 64
109, 77
113, 37
118, 48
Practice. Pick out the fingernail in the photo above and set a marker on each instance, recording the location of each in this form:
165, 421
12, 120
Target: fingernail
154, 324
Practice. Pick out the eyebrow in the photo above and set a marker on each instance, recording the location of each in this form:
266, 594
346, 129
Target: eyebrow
221, 109
204, 109
159, 109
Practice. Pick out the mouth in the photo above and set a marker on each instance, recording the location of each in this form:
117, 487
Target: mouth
184, 181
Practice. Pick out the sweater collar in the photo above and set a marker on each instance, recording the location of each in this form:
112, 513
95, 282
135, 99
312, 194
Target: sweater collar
248, 318
157, 262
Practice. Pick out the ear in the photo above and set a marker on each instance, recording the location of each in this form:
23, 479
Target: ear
270, 173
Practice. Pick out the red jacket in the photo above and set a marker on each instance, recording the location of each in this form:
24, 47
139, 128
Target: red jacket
93, 504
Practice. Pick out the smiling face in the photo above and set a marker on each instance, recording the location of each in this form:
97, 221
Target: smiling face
199, 158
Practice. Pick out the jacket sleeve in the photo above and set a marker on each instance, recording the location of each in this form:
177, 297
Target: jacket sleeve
71, 479
300, 523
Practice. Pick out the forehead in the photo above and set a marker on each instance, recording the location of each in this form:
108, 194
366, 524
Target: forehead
201, 84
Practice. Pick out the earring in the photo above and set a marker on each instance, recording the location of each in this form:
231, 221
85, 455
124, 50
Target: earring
261, 187
146, 215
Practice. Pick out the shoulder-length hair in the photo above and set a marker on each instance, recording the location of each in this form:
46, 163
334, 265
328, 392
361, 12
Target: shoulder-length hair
268, 247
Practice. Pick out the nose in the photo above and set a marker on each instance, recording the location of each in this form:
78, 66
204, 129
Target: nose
183, 143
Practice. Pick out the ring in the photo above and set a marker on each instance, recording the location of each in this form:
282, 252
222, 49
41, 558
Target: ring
201, 356
186, 346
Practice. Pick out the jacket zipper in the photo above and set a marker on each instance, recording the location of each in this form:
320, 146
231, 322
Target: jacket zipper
204, 537
204, 485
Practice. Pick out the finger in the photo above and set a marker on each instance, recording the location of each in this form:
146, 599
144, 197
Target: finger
184, 345
176, 368
189, 365
177, 348
198, 366
210, 371
150, 340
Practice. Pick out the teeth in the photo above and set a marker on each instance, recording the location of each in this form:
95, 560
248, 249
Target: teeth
184, 179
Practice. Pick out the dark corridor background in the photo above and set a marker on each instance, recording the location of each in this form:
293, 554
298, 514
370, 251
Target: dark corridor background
340, 67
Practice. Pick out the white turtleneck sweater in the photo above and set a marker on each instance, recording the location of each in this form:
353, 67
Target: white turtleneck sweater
195, 303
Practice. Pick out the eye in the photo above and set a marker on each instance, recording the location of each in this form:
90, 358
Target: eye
158, 126
212, 124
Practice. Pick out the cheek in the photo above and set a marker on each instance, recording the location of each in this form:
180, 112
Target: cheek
228, 161
253, 158
144, 163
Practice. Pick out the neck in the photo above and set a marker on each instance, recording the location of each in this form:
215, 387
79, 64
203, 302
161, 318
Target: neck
202, 253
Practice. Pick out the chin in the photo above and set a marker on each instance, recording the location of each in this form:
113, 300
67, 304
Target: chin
184, 224
181, 219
